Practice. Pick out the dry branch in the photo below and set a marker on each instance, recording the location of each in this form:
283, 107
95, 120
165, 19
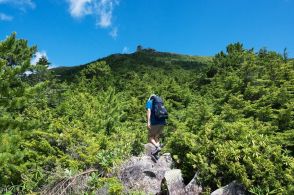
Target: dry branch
69, 185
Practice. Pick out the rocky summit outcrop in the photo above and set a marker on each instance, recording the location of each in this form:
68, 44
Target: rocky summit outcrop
144, 175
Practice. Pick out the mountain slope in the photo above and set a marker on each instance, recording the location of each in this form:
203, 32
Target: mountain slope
139, 61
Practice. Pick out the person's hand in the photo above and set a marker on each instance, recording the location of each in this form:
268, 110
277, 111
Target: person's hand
148, 126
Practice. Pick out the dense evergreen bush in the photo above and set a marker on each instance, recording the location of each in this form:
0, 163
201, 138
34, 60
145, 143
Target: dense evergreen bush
231, 117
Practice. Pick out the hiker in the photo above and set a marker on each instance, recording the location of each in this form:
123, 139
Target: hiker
156, 119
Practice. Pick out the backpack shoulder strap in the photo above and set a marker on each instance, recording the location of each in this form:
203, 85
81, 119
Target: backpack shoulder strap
157, 99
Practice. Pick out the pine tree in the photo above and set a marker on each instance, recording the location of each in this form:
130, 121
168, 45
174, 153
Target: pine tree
15, 56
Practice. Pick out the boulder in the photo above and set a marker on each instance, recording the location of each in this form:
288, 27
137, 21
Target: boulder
193, 188
233, 188
143, 174
149, 148
173, 181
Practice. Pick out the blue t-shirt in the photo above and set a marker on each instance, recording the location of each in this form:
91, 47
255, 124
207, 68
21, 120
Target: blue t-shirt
153, 120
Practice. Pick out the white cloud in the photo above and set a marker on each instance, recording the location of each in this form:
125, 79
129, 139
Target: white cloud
52, 66
101, 9
20, 4
125, 50
105, 10
113, 32
80, 8
5, 17
38, 55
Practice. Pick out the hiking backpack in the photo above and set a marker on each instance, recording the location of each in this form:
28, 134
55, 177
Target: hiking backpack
160, 111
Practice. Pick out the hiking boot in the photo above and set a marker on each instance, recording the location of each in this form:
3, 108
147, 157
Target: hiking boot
156, 151
154, 158
155, 154
158, 148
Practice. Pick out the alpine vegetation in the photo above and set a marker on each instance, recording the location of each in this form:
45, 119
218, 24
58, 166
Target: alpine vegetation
69, 129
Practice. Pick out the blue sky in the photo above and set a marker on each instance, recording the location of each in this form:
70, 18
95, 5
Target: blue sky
74, 32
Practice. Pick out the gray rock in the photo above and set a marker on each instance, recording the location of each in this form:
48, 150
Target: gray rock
149, 148
233, 188
142, 174
174, 182
193, 188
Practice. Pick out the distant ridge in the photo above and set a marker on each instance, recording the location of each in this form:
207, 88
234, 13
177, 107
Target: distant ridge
144, 58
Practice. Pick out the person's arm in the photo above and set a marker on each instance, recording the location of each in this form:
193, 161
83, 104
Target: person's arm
148, 118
